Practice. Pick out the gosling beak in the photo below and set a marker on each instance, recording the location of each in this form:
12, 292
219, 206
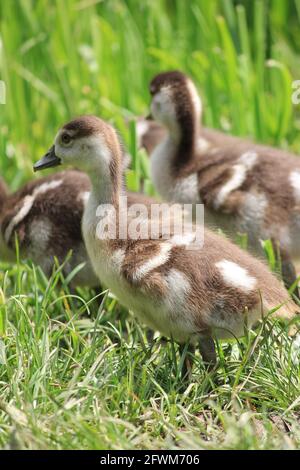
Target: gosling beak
149, 117
49, 160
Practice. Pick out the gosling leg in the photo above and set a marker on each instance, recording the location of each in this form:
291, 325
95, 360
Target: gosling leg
208, 351
289, 274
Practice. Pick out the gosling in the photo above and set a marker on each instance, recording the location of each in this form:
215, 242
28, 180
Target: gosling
191, 295
245, 187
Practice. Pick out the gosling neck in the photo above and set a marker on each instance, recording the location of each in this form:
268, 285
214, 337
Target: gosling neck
184, 135
107, 179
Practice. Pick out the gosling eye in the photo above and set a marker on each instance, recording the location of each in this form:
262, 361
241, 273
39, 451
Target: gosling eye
66, 139
152, 90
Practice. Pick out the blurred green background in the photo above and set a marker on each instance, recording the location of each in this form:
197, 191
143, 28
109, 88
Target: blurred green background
75, 375
64, 58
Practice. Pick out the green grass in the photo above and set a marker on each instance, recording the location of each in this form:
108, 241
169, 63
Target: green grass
76, 375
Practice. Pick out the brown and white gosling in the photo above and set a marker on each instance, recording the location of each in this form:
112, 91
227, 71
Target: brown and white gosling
46, 215
189, 295
245, 187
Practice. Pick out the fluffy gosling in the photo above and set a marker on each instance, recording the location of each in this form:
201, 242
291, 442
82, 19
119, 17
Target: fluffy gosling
189, 295
245, 187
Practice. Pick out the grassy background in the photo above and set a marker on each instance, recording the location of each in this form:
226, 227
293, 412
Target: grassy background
74, 375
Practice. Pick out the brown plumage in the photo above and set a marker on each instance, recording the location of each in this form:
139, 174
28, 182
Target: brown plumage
46, 215
188, 292
245, 187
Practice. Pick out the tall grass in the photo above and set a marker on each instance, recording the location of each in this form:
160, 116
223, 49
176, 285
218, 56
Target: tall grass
78, 375
60, 59
74, 374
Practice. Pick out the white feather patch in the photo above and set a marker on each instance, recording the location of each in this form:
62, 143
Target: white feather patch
178, 289
246, 161
236, 276
117, 260
295, 182
142, 127
84, 197
202, 145
195, 98
183, 240
153, 263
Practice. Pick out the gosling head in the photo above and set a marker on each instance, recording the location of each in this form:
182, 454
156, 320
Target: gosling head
87, 143
175, 100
